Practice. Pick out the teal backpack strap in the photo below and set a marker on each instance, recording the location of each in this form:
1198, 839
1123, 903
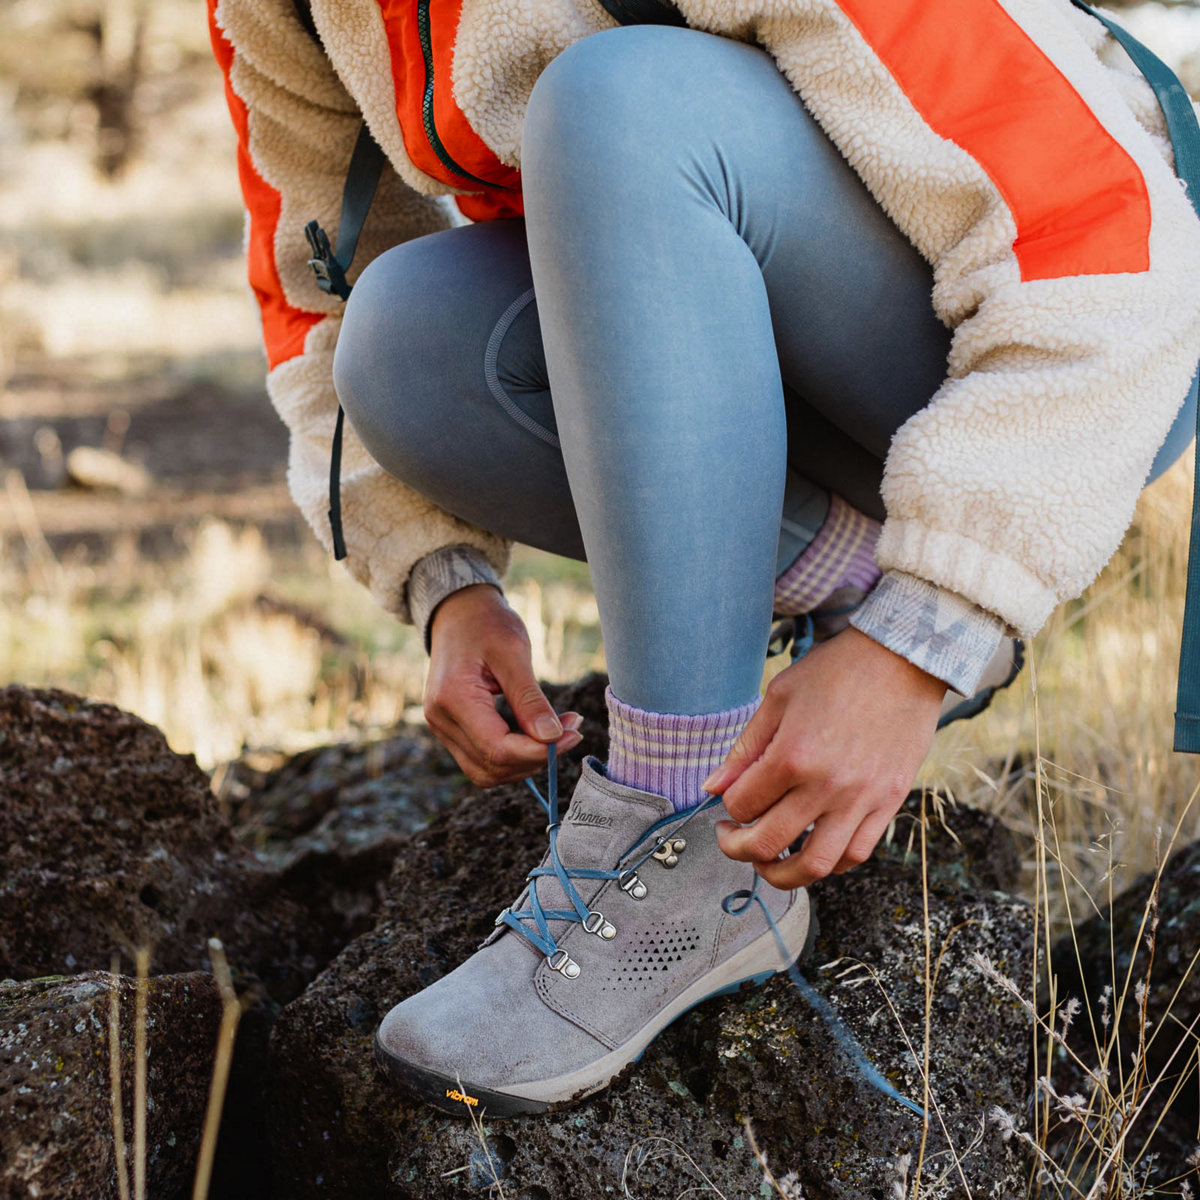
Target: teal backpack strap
644, 12
1184, 132
362, 178
1176, 104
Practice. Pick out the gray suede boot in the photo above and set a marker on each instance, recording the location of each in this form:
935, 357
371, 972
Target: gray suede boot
621, 930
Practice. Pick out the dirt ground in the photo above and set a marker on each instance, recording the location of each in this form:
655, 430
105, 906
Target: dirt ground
205, 432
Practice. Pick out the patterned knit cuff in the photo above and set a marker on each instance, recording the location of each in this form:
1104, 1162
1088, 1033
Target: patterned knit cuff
937, 630
439, 575
841, 555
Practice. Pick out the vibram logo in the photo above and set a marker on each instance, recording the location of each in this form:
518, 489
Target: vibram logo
455, 1094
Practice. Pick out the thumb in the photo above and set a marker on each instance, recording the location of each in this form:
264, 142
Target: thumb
748, 749
513, 670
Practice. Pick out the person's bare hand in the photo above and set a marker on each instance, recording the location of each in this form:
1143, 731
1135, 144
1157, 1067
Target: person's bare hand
836, 745
479, 649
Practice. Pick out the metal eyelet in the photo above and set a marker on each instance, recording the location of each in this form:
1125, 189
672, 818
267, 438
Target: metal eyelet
564, 964
595, 923
669, 851
631, 885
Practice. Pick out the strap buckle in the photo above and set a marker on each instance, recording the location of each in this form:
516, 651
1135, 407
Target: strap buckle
331, 279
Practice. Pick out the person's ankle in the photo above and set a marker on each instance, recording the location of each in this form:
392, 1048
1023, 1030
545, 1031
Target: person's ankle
840, 560
670, 754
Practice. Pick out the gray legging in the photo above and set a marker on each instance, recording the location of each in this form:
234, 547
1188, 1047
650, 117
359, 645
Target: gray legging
731, 326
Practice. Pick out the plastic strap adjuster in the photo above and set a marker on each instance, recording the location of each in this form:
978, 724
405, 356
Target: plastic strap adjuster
331, 279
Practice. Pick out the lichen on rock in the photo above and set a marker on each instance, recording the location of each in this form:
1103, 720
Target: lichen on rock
56, 1112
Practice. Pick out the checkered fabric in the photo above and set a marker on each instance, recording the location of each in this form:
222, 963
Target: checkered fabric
841, 555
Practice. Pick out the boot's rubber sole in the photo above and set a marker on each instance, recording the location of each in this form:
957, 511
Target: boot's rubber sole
755, 963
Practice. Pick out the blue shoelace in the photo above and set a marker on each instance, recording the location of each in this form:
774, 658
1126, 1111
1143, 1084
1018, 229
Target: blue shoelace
735, 904
798, 631
591, 919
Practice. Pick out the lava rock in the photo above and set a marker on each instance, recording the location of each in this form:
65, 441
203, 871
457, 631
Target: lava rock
330, 819
56, 1110
965, 847
816, 1114
339, 801
338, 1130
111, 841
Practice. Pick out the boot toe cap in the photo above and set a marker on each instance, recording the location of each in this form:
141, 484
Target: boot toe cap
486, 1023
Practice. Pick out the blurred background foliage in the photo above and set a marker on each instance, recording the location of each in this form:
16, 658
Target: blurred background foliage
150, 555
149, 552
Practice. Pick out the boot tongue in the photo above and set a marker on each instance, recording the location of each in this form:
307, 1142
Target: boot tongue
603, 821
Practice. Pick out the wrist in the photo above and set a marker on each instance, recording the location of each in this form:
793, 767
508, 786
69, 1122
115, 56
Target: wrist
441, 574
467, 605
893, 670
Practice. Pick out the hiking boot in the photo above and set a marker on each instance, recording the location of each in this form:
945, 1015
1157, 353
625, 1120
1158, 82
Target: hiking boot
634, 917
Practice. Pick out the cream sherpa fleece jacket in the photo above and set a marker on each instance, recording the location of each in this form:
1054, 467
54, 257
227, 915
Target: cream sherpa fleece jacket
1012, 141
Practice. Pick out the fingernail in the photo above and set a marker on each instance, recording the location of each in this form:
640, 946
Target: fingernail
570, 741
548, 729
709, 785
572, 720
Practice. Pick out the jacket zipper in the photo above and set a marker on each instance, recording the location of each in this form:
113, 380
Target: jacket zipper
431, 132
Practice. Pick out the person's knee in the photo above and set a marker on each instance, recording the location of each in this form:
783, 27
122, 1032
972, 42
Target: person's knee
592, 97
377, 362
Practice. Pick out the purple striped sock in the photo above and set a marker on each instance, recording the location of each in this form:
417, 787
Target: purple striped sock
841, 555
670, 754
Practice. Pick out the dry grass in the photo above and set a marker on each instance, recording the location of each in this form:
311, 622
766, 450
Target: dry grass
230, 645
1103, 1155
231, 1011
1087, 732
114, 1079
1078, 759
